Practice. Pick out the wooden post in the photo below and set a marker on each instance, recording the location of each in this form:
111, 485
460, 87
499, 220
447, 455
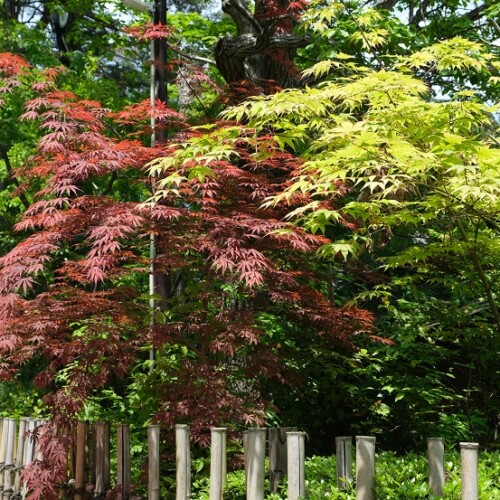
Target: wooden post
435, 461
277, 455
218, 464
254, 444
295, 469
343, 447
468, 461
101, 459
365, 467
8, 483
123, 450
153, 462
183, 463
81, 444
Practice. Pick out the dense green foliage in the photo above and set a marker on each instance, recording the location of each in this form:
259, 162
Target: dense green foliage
396, 477
417, 180
393, 137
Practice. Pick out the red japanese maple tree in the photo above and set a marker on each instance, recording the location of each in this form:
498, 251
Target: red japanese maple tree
72, 291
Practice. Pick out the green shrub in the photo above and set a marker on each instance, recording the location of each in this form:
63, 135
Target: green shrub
398, 477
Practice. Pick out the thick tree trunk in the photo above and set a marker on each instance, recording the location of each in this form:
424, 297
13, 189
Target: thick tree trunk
262, 53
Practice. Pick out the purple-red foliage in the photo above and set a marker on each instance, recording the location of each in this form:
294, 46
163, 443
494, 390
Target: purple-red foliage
65, 298
149, 31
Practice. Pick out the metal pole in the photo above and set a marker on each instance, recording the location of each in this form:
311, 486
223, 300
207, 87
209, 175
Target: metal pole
159, 10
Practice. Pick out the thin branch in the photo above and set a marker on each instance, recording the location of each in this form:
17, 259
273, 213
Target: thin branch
10, 171
495, 25
193, 92
420, 14
355, 21
482, 276
193, 57
110, 183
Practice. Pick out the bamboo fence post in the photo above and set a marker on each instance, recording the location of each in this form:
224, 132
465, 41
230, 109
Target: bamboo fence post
101, 459
218, 464
435, 460
89, 471
277, 455
29, 449
123, 449
295, 468
343, 447
468, 461
19, 461
30, 442
61, 490
183, 462
81, 444
254, 444
365, 467
153, 462
92, 461
107, 456
3, 451
38, 425
9, 458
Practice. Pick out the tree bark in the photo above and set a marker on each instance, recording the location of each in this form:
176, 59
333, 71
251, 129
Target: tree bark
262, 53
11, 9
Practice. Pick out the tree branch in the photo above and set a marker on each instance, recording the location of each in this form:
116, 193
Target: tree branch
249, 45
203, 60
10, 171
386, 4
476, 13
231, 53
242, 17
482, 276
110, 183
420, 14
495, 25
